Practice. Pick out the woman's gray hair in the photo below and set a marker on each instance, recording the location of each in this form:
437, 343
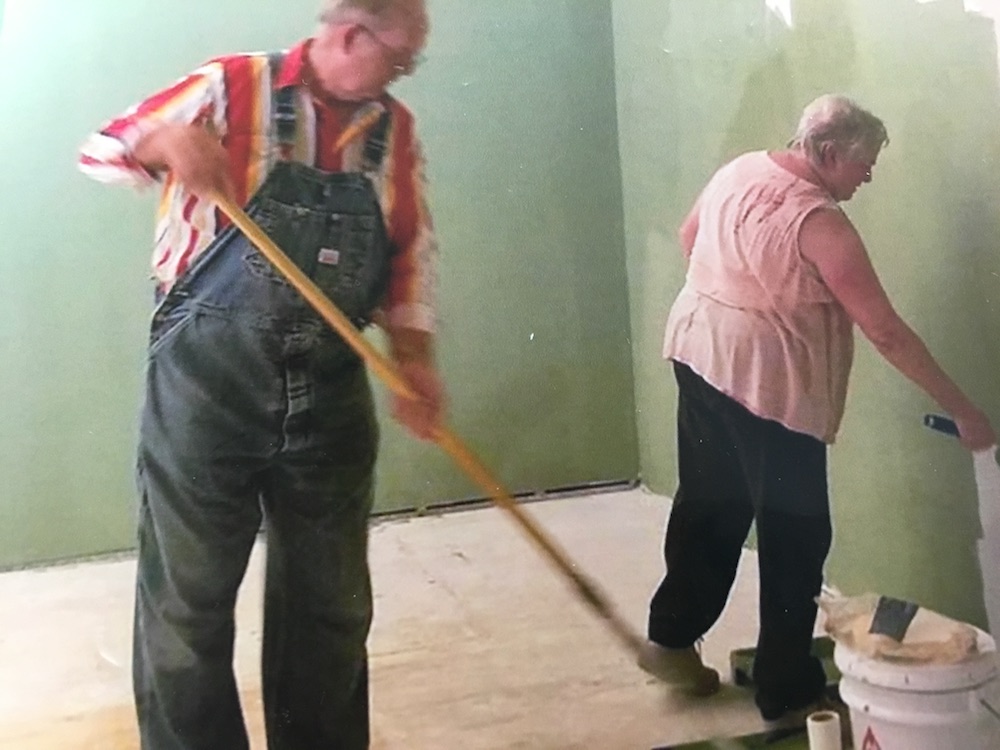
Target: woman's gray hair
838, 121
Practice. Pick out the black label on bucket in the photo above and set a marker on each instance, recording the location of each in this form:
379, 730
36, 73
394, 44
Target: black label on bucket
892, 617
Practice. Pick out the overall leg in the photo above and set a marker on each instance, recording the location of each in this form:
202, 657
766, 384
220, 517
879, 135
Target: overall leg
196, 530
708, 523
794, 536
318, 603
203, 441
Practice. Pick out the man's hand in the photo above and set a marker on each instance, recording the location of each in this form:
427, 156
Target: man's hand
413, 352
421, 416
193, 153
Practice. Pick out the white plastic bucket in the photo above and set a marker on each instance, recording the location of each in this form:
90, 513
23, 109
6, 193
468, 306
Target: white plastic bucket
922, 707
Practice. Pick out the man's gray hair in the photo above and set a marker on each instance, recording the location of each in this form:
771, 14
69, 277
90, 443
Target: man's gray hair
342, 11
838, 121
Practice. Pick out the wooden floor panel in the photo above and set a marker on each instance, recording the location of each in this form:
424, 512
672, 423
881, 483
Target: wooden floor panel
476, 644
111, 728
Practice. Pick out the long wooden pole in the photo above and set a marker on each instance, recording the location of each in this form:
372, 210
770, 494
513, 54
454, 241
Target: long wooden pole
445, 437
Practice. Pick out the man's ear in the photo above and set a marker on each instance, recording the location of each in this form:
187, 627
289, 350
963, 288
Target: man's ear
349, 35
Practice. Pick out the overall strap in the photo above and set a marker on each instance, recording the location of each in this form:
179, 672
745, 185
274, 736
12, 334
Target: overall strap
377, 144
284, 121
282, 108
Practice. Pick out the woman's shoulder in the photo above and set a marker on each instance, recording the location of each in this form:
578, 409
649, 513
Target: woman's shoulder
746, 167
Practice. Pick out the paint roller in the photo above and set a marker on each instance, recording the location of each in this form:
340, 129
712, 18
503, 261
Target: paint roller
988, 489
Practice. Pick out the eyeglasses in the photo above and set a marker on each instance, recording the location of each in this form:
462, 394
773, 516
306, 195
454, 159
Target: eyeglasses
404, 61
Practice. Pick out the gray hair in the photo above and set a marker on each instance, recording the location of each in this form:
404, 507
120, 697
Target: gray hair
378, 11
838, 121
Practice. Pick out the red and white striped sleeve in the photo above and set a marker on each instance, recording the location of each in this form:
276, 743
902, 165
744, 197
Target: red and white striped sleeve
412, 298
108, 154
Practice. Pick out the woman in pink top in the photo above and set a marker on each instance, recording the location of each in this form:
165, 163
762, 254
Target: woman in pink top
761, 343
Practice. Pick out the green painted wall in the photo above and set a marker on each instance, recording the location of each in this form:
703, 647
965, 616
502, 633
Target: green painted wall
516, 104
518, 111
699, 81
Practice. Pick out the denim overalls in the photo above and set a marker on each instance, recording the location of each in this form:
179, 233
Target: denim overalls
255, 408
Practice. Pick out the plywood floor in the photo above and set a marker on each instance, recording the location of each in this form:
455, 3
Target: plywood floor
477, 643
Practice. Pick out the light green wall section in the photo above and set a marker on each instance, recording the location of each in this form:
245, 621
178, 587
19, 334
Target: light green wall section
517, 110
516, 106
701, 80
517, 103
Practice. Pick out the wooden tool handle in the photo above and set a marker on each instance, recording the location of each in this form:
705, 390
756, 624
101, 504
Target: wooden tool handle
444, 437
381, 366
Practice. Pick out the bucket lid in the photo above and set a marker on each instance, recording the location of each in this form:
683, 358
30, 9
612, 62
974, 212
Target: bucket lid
921, 678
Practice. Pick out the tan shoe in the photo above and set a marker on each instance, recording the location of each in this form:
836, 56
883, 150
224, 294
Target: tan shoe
679, 668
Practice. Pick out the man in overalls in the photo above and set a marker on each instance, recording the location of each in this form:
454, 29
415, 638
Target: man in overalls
255, 410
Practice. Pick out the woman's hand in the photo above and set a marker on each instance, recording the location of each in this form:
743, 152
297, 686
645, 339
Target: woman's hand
975, 431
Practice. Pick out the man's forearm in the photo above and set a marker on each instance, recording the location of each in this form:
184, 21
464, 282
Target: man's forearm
411, 344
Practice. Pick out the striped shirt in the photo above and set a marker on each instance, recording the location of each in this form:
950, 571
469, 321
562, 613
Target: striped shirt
233, 94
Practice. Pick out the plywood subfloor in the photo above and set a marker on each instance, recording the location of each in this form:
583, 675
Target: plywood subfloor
477, 644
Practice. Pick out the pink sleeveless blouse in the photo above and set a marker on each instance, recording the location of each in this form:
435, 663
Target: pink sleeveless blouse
754, 318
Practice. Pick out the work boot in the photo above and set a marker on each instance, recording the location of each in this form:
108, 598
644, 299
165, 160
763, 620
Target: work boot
679, 668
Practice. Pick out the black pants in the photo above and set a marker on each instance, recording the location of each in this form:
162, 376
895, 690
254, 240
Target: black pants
736, 468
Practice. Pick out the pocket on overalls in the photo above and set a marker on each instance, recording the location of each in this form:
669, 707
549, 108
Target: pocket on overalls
269, 217
343, 263
166, 326
259, 266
